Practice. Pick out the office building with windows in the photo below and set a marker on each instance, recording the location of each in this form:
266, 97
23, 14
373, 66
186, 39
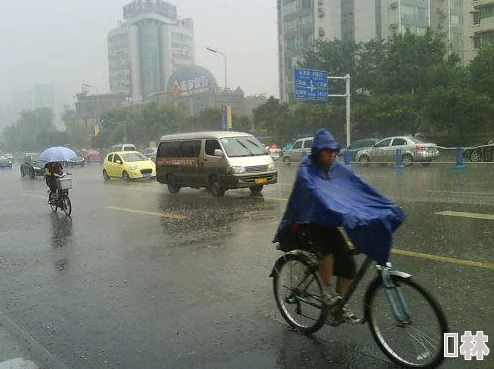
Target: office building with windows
301, 22
447, 20
145, 49
479, 25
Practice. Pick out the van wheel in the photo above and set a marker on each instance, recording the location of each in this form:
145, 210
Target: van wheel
173, 187
256, 189
215, 188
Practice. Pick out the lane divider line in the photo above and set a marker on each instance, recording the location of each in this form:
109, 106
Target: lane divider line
37, 196
161, 215
463, 193
462, 214
444, 259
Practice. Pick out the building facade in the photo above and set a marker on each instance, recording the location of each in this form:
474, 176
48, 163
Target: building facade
479, 25
301, 22
399, 16
145, 49
447, 19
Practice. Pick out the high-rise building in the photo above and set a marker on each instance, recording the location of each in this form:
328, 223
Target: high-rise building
447, 20
145, 49
399, 16
300, 22
479, 25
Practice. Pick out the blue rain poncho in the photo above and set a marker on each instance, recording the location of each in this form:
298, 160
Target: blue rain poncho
341, 199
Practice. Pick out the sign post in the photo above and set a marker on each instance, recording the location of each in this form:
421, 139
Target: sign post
312, 85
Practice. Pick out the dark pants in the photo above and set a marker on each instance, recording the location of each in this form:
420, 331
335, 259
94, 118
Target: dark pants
51, 183
325, 241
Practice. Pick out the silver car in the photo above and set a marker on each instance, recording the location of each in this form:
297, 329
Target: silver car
412, 150
299, 150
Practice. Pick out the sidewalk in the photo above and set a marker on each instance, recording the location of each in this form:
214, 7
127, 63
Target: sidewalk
18, 350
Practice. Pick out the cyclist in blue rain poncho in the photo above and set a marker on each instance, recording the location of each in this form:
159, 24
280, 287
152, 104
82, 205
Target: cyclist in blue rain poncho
328, 196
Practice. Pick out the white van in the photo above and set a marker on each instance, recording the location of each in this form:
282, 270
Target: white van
218, 161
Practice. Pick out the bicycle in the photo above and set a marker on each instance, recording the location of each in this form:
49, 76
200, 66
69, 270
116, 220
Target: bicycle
64, 184
385, 301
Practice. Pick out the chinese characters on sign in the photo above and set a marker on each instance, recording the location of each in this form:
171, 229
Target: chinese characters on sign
310, 84
472, 346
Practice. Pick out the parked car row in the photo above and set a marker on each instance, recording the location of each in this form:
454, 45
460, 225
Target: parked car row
371, 150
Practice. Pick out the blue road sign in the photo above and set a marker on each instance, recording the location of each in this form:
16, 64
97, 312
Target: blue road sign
310, 84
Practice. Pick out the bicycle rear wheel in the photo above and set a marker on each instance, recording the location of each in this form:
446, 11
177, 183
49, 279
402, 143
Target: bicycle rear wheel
67, 206
52, 202
298, 293
417, 340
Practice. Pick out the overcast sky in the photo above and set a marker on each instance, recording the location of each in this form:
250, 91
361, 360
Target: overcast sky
64, 42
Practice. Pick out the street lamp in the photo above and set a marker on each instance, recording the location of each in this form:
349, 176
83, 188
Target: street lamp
224, 59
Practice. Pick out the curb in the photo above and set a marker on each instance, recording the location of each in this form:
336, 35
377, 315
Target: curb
43, 358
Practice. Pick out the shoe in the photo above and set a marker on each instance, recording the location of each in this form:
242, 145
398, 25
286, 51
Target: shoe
350, 317
330, 298
338, 315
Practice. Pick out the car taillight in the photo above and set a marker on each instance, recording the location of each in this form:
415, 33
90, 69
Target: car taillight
420, 148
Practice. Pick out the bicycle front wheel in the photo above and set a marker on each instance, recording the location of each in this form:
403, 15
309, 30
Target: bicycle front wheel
416, 338
298, 293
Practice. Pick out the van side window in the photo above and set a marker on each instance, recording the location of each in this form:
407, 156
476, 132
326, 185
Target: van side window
170, 150
212, 145
191, 149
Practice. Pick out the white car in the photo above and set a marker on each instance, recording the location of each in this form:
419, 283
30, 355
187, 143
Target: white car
299, 150
412, 150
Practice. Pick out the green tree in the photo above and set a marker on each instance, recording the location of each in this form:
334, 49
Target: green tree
242, 124
31, 131
482, 70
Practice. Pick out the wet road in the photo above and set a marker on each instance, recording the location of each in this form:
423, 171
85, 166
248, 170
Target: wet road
139, 278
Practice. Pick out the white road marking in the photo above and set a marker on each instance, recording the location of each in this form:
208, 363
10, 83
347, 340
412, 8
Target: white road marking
464, 193
37, 196
18, 364
462, 214
161, 215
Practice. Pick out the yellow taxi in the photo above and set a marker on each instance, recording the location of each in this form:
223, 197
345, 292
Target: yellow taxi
128, 165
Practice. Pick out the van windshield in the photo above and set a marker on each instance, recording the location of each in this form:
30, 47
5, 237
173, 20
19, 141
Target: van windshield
243, 146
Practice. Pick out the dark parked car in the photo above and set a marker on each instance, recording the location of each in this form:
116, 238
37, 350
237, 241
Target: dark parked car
5, 162
79, 160
482, 152
356, 146
31, 166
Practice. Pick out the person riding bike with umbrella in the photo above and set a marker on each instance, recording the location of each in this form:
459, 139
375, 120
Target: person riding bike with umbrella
53, 170
54, 157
